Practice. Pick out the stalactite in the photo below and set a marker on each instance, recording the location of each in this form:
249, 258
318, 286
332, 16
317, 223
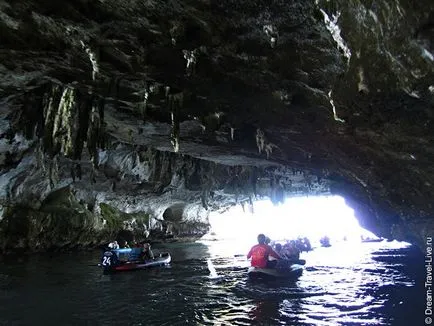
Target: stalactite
260, 140
175, 102
263, 144
254, 181
165, 175
251, 206
131, 136
55, 170
64, 122
51, 106
40, 157
50, 175
191, 57
204, 200
144, 104
82, 126
269, 149
207, 170
78, 170
154, 158
93, 55
272, 34
102, 124
92, 175
176, 31
96, 134
72, 173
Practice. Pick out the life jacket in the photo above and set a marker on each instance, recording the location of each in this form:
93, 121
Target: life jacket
109, 259
260, 253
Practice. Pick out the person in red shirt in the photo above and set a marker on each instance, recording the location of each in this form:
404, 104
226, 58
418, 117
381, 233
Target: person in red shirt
260, 252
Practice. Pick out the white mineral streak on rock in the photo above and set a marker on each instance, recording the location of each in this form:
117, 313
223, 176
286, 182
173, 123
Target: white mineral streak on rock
411, 93
400, 10
335, 115
260, 140
175, 138
102, 157
417, 73
93, 59
6, 19
427, 55
191, 57
374, 16
272, 33
335, 30
362, 87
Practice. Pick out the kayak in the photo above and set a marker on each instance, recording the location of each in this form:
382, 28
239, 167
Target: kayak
111, 262
292, 271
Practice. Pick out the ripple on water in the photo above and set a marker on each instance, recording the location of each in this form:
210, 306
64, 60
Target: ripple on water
375, 286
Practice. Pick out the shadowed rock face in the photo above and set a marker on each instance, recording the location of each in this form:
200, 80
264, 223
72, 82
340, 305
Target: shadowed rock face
129, 115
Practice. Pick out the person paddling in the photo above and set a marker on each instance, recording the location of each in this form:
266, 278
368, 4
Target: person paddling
147, 253
260, 253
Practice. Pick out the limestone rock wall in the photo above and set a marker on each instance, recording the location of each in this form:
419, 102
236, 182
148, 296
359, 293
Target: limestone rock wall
142, 105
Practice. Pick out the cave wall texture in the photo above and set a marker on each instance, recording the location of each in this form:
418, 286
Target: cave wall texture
143, 115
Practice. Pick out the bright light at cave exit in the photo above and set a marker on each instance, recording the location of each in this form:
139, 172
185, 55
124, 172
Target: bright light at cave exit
312, 217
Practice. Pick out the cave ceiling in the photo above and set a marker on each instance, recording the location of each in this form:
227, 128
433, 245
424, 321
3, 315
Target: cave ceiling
219, 102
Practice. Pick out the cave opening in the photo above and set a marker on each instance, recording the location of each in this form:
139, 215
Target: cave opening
314, 217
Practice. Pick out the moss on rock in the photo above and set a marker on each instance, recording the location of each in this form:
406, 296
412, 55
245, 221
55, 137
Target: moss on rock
116, 220
64, 222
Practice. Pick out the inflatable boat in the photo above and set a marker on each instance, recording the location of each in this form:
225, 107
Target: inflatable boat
118, 260
291, 272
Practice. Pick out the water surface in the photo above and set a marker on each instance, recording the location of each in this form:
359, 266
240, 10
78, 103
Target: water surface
368, 284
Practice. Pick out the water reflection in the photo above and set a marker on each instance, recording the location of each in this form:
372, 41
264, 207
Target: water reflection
342, 284
379, 284
265, 312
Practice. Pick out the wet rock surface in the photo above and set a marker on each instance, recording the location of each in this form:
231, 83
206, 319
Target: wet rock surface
143, 106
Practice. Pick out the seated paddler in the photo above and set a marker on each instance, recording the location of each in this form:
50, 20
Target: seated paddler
260, 254
147, 253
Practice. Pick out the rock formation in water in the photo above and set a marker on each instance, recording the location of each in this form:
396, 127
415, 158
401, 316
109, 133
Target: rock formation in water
146, 115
